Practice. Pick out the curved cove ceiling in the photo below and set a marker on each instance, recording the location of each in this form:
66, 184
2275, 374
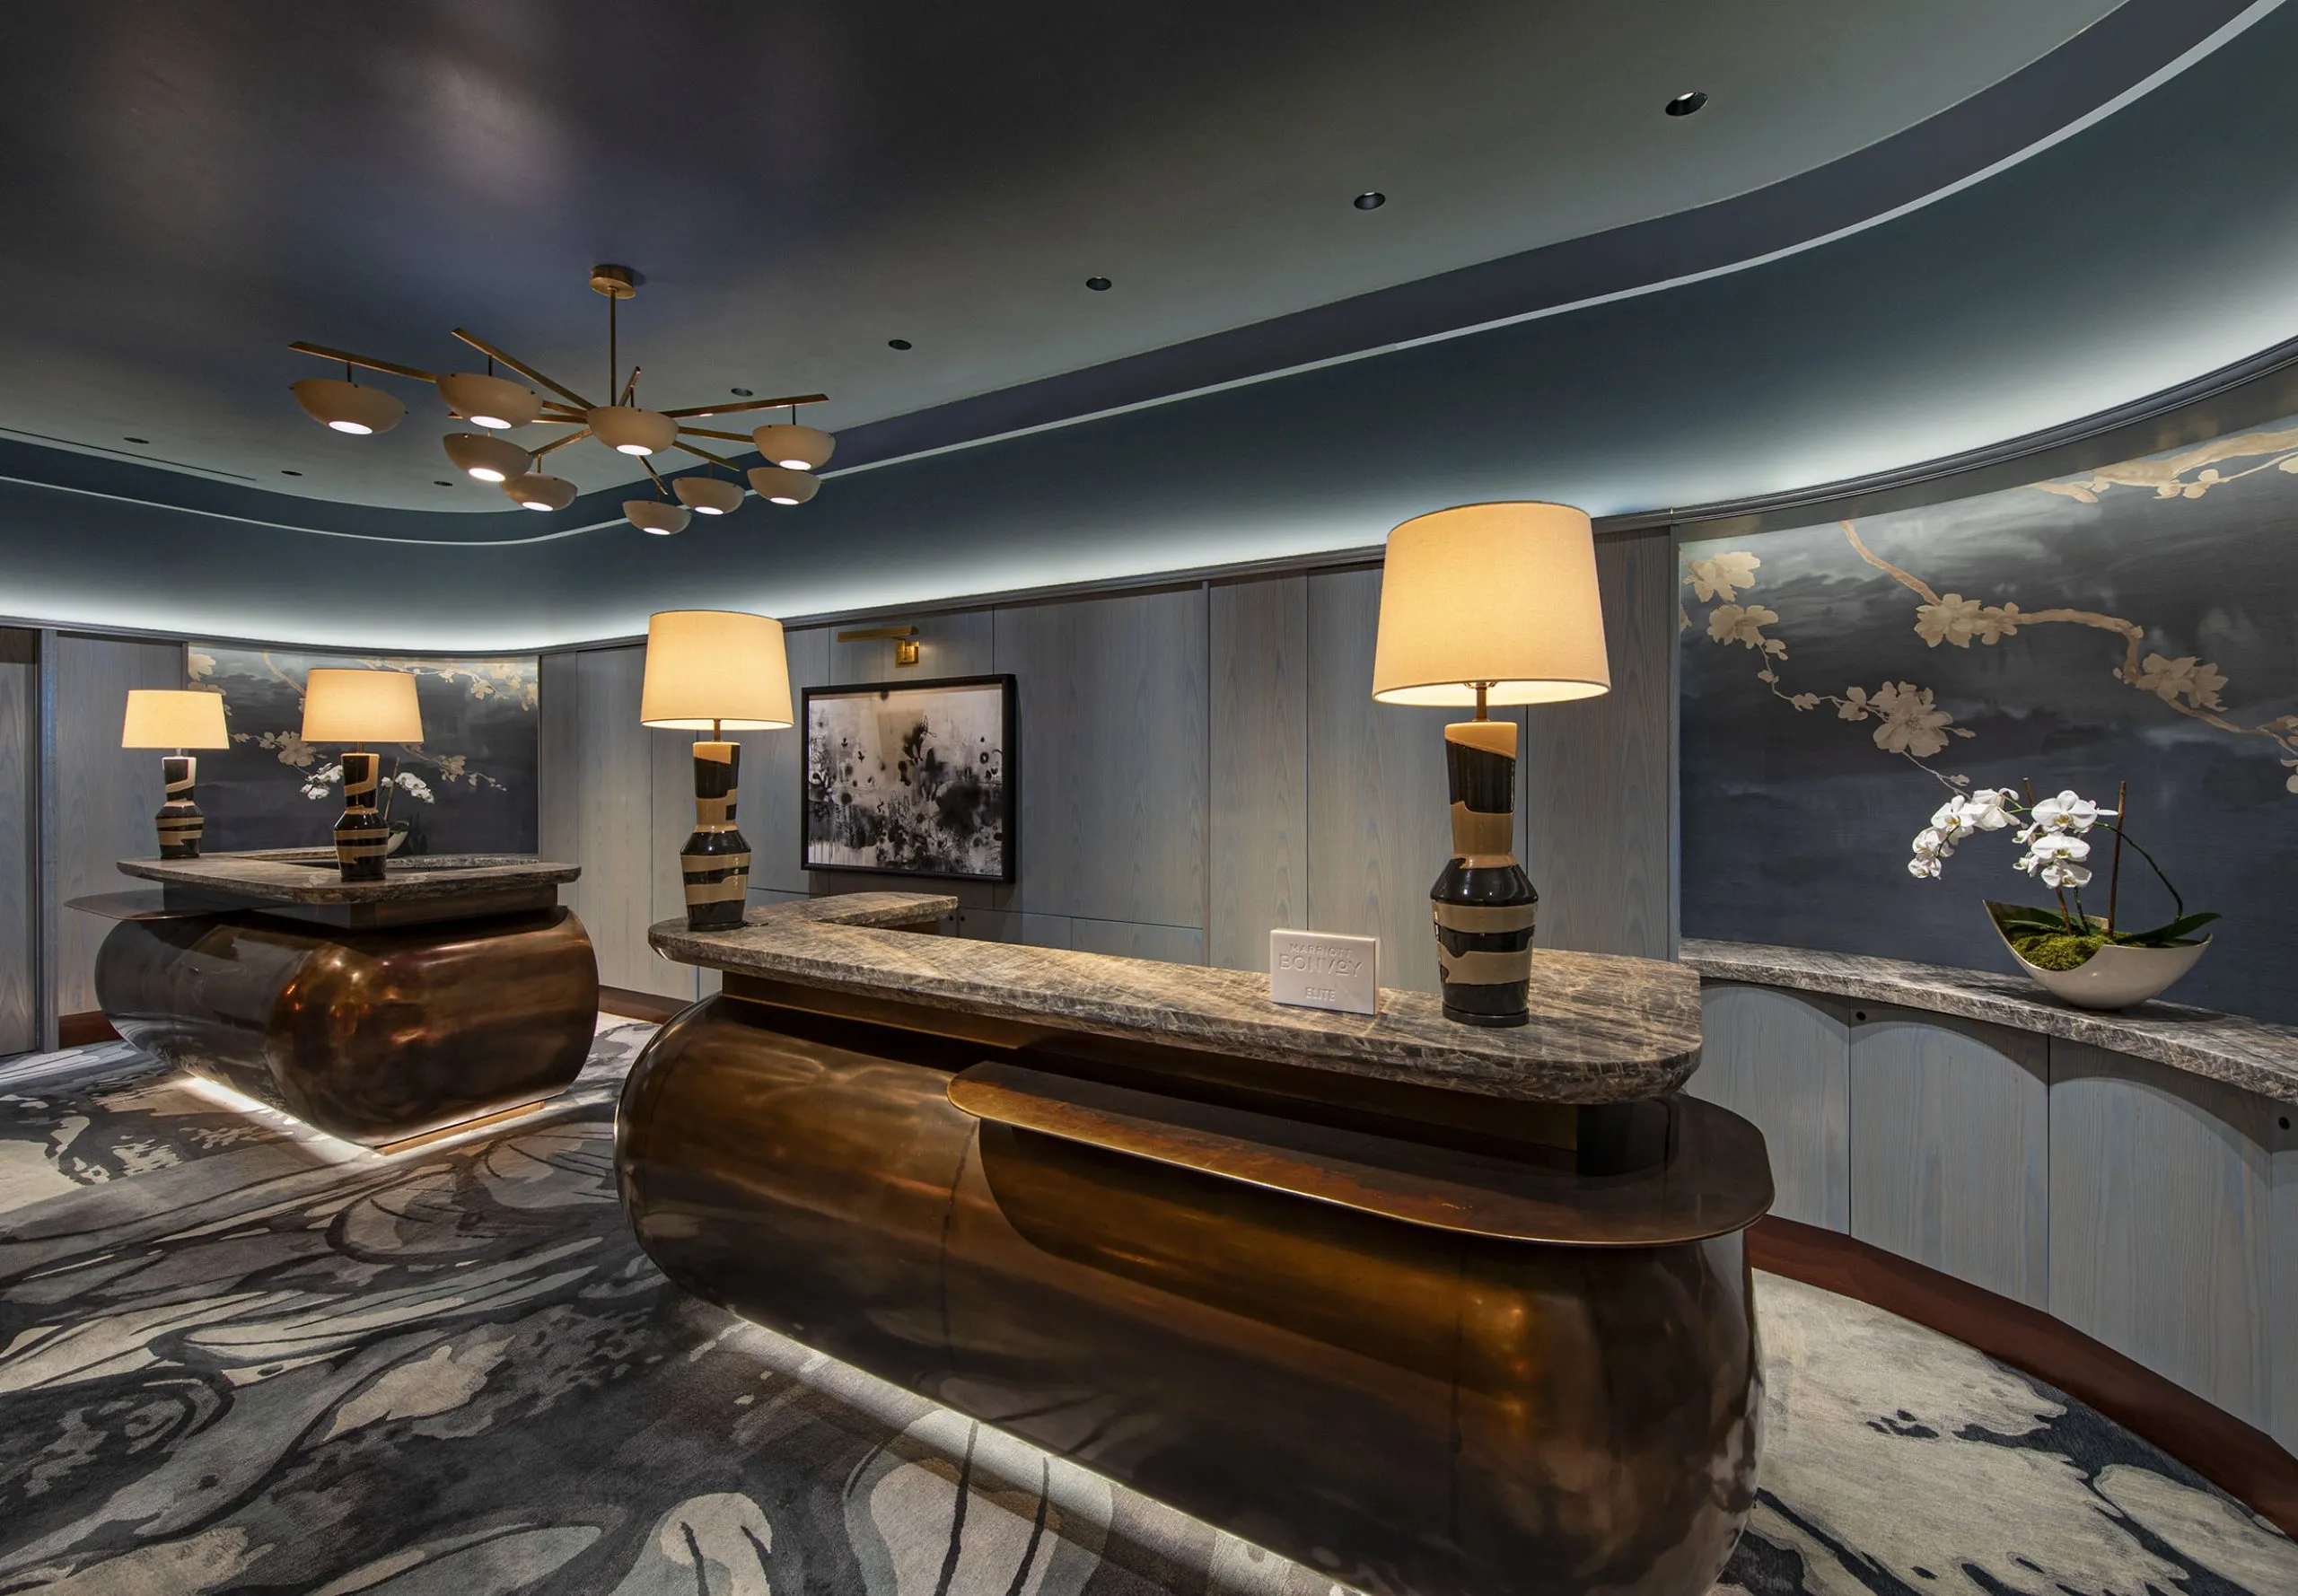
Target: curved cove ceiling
2144, 250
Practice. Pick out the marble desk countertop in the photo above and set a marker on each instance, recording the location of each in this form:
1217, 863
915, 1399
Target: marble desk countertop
310, 876
2252, 1054
1604, 1030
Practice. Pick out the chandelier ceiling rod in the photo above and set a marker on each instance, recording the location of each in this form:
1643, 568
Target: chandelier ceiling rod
524, 370
393, 367
766, 404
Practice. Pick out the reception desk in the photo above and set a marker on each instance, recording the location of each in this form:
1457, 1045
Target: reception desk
453, 989
1430, 1307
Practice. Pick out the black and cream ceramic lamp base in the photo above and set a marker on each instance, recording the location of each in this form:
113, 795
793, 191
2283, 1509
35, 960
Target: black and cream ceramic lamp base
715, 861
361, 838
180, 821
1484, 904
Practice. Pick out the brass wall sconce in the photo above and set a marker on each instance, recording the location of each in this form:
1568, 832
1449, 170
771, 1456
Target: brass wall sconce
903, 638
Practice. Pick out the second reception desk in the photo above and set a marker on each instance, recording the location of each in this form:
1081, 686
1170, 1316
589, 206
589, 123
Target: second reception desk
1433, 1308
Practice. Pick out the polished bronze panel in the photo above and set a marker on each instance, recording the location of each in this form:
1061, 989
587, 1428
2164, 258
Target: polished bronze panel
373, 1036
1408, 1406
1718, 1183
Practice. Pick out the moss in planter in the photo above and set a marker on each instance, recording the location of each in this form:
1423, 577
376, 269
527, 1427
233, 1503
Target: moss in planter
2058, 950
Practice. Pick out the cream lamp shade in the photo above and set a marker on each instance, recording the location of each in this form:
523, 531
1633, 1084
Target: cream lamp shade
1504, 594
358, 706
718, 669
169, 717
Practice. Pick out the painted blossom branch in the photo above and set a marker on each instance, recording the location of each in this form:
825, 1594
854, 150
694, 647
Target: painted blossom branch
1955, 619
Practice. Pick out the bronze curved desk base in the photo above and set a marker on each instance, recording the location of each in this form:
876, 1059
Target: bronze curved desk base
1409, 1408
375, 1036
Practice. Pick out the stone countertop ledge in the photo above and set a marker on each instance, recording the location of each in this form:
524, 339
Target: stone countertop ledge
311, 876
2251, 1054
1604, 1030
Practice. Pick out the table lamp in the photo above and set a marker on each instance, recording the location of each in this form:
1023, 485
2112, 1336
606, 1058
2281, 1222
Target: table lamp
1488, 604
715, 671
182, 720
355, 707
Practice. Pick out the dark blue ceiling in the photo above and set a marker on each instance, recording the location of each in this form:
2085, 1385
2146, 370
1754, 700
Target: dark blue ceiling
2020, 303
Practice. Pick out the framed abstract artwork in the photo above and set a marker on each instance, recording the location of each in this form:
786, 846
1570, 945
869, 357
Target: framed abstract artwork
911, 779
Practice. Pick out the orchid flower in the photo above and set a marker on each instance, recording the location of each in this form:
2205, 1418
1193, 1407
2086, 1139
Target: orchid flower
2068, 812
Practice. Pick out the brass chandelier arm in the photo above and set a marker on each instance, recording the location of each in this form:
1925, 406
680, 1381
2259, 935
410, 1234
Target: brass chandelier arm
767, 404
659, 485
393, 367
704, 432
524, 370
558, 443
714, 460
629, 389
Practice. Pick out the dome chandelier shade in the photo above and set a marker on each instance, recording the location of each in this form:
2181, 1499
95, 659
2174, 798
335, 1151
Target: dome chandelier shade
779, 484
488, 458
498, 404
653, 515
708, 495
344, 405
537, 491
797, 448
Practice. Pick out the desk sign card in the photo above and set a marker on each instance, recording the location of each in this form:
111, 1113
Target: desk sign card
1311, 970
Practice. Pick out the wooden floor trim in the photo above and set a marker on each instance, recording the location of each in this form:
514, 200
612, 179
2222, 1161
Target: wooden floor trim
2246, 1463
81, 1030
622, 1002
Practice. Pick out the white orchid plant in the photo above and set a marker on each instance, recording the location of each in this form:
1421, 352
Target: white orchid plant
2058, 837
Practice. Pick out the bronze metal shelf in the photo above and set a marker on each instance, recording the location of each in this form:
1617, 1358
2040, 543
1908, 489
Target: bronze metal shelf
1714, 1179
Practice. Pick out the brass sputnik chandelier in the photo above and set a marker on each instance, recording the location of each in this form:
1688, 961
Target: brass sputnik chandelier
795, 453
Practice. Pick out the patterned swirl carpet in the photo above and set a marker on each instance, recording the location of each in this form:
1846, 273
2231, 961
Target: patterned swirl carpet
238, 1356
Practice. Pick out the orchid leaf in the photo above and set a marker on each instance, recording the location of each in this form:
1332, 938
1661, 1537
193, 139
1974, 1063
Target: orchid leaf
2176, 934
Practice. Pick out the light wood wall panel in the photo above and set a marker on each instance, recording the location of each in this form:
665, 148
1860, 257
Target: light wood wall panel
2161, 1220
774, 767
617, 822
1112, 734
105, 795
1951, 1148
1598, 774
558, 820
1259, 880
2281, 1303
18, 806
1781, 1060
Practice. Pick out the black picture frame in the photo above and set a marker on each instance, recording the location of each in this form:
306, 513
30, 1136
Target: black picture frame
814, 782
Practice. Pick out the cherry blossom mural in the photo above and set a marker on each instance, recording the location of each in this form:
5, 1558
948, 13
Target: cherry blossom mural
469, 787
2138, 623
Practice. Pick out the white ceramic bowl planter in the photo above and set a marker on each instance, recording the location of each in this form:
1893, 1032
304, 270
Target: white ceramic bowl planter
2113, 977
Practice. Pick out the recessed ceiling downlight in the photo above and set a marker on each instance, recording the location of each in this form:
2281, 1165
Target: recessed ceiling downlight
1371, 200
1098, 285
346, 407
488, 457
537, 491
494, 402
779, 484
800, 448
707, 496
1683, 105
899, 343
